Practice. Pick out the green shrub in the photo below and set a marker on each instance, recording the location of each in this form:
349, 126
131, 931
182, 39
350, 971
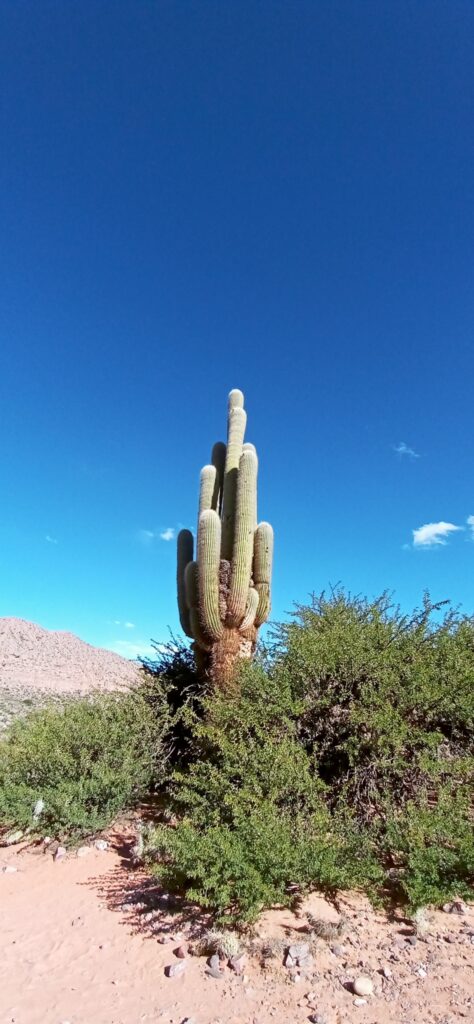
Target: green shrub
347, 761
86, 760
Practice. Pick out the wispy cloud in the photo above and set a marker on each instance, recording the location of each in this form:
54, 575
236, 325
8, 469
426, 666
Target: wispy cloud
431, 534
403, 449
470, 523
51, 540
126, 625
148, 536
128, 649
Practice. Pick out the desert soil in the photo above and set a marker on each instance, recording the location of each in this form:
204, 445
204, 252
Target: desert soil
88, 940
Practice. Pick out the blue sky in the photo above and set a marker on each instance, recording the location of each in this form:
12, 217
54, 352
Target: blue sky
199, 196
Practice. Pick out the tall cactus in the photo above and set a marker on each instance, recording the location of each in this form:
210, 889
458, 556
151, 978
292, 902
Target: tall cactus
224, 595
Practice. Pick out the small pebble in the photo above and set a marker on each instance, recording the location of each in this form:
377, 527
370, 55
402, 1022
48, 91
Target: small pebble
363, 986
317, 1018
60, 853
387, 973
296, 978
421, 972
83, 851
181, 951
9, 869
237, 963
289, 961
174, 970
359, 1001
214, 961
101, 844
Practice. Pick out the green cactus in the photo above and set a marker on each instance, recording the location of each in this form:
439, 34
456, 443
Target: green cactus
224, 596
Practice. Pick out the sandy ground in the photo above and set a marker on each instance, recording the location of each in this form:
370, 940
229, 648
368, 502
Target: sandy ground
87, 940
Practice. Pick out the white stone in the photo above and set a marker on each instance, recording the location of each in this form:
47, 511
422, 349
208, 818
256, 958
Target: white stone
363, 986
101, 844
359, 1001
8, 869
83, 851
60, 853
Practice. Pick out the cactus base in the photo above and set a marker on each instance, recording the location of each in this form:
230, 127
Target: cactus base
219, 664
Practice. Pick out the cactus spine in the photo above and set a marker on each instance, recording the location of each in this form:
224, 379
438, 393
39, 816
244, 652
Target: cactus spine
224, 595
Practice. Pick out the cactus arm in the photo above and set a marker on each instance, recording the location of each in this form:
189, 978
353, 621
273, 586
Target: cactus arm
262, 569
185, 554
191, 585
236, 423
245, 518
206, 489
218, 460
198, 633
209, 543
250, 610
236, 399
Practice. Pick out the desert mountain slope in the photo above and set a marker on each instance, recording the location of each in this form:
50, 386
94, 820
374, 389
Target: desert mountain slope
35, 658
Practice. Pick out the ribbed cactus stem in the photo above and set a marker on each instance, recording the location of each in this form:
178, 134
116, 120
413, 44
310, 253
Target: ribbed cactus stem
250, 610
236, 423
209, 544
236, 399
245, 519
262, 569
199, 635
218, 460
185, 555
206, 488
191, 585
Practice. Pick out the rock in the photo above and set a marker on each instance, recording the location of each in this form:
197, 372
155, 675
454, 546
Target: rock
214, 972
296, 978
387, 973
338, 950
421, 972
60, 853
181, 951
189, 1020
214, 961
289, 961
363, 986
237, 963
359, 1001
412, 940
38, 808
317, 1018
299, 950
47, 840
14, 837
9, 869
306, 963
447, 907
101, 844
459, 907
174, 970
83, 851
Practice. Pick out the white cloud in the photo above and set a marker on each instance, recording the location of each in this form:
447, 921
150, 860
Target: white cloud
51, 540
470, 523
433, 533
403, 449
129, 625
168, 534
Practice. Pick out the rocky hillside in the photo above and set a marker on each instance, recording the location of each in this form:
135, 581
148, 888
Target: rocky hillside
37, 662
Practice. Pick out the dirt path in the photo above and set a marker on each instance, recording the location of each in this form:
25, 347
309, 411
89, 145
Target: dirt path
86, 940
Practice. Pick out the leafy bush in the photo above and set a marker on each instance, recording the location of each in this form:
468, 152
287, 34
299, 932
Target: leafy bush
86, 760
347, 761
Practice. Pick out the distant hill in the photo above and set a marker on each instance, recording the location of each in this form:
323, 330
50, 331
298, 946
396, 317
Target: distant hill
33, 658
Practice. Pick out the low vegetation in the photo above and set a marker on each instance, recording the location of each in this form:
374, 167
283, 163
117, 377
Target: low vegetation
85, 760
344, 759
